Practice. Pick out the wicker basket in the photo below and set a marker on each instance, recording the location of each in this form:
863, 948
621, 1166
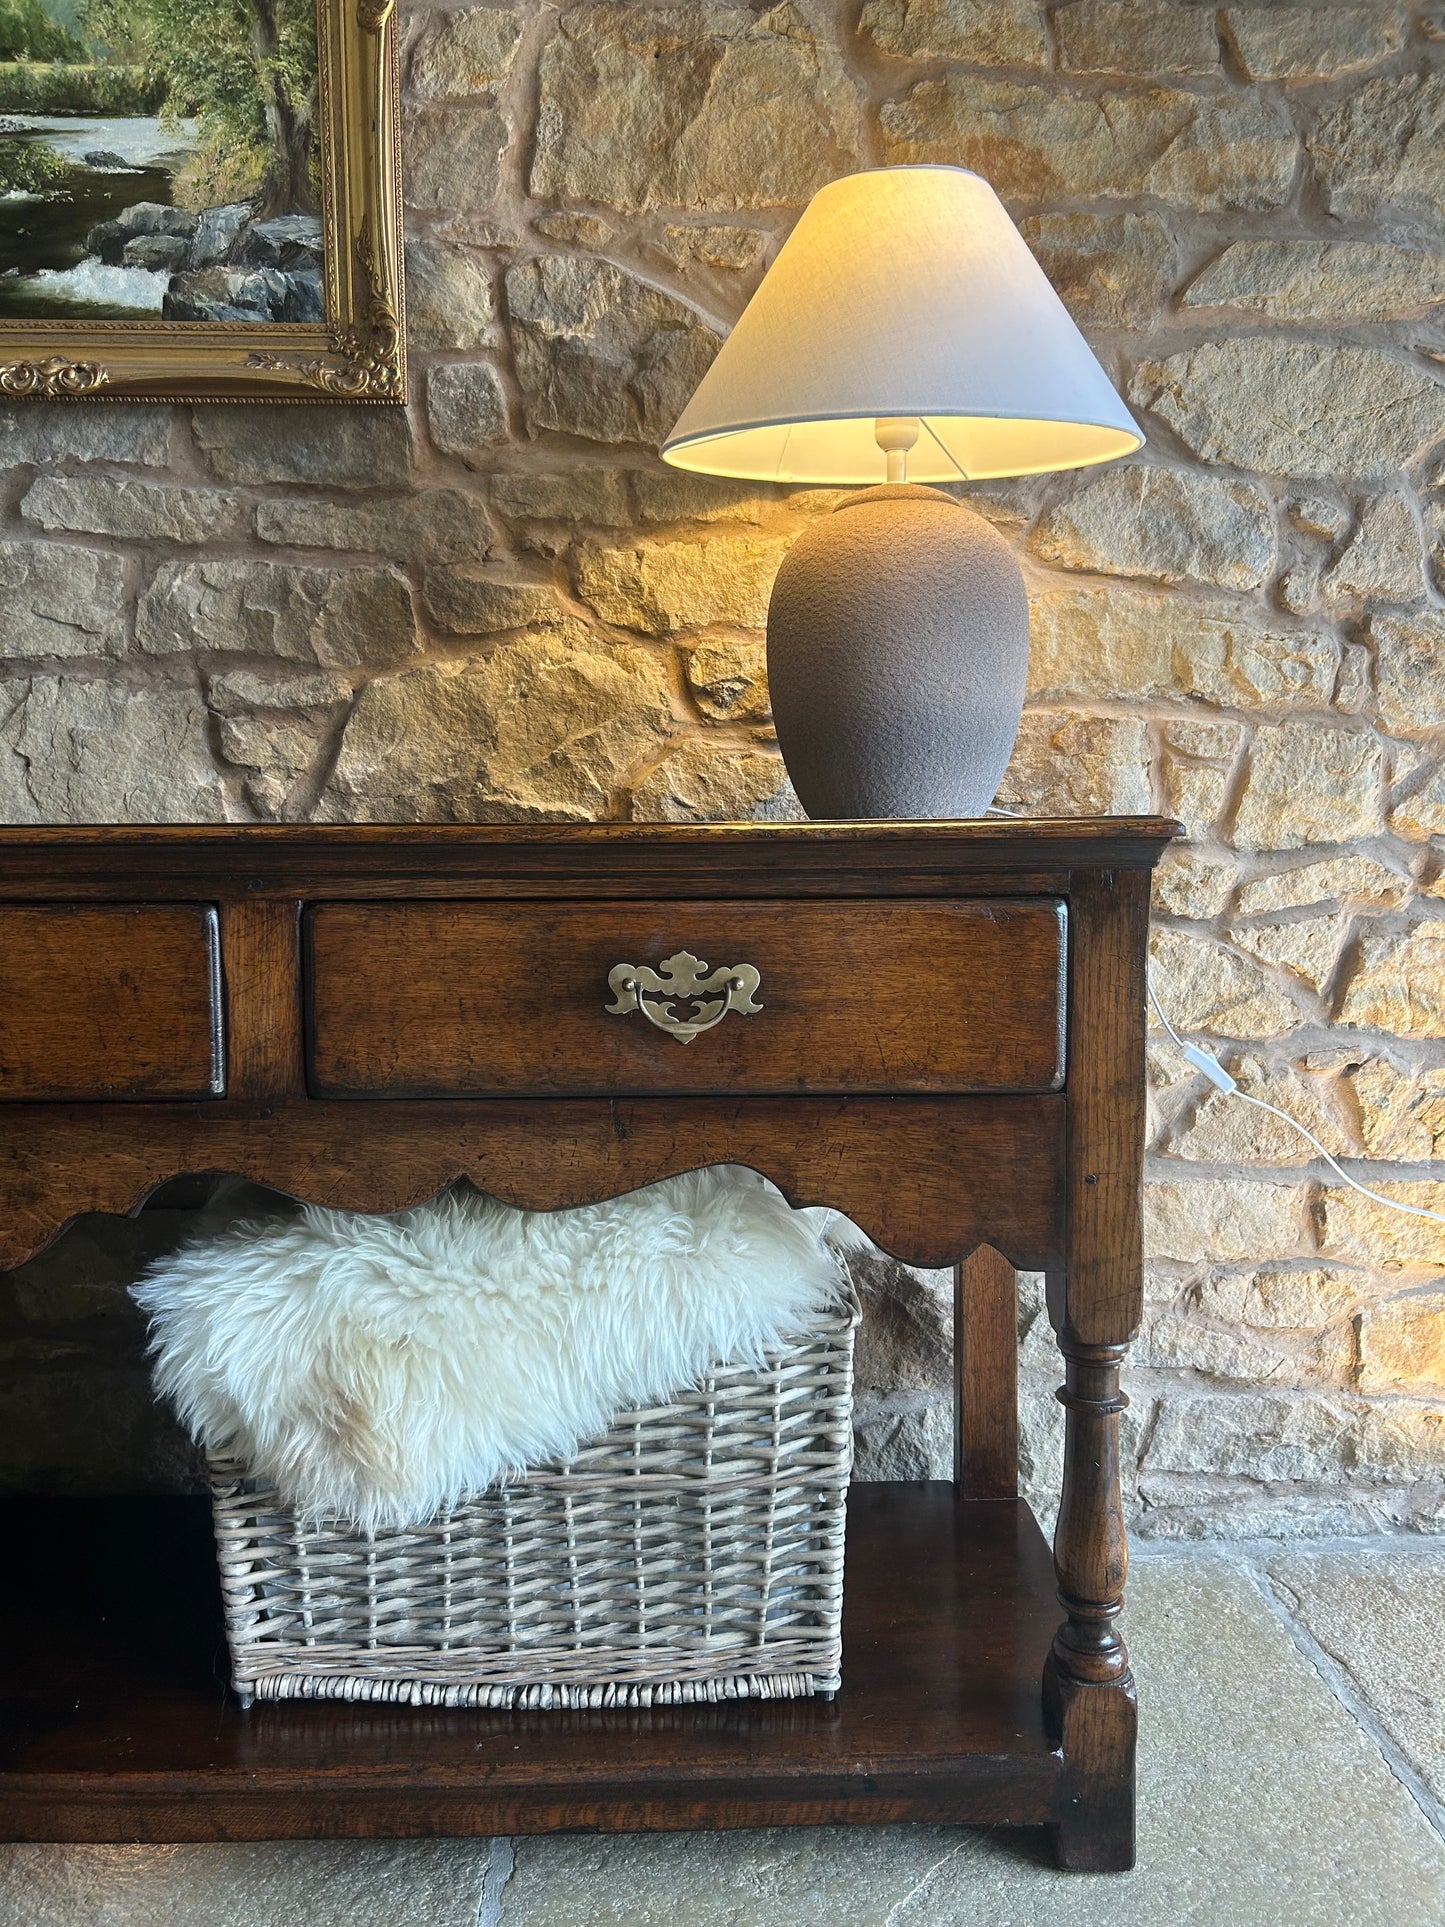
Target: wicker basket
693, 1553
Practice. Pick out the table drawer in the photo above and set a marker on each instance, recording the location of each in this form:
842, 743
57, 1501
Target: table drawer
436, 999
104, 1001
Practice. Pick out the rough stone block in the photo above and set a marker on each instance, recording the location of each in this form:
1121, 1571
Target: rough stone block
1206, 987
433, 525
545, 729
1401, 1111
326, 616
1335, 879
1308, 948
663, 587
672, 495
466, 409
1069, 765
903, 1437
1398, 982
1195, 794
1410, 670
139, 511
714, 246
111, 432
1152, 42
1111, 271
1189, 883
1384, 559
905, 1342
464, 53
1355, 410
1224, 1131
1201, 150
1224, 1220
1422, 812
699, 106
1281, 1300
452, 156
238, 692
97, 752
467, 601
1357, 1228
1210, 739
275, 752
1120, 642
1382, 146
1166, 524
1320, 281
1309, 783
595, 495
61, 601
1314, 43
702, 782
1264, 1436
1402, 1343
599, 353
369, 447
729, 680
449, 300
1403, 1443
985, 33
1177, 1342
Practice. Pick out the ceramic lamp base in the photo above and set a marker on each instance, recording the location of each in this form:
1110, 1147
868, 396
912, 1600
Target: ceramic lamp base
898, 643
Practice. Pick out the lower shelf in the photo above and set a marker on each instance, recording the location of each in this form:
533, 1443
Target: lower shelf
115, 1722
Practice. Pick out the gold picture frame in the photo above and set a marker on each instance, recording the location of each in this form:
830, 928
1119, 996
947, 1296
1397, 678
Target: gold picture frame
356, 354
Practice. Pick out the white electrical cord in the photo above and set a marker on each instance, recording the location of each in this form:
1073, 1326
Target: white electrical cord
1219, 1077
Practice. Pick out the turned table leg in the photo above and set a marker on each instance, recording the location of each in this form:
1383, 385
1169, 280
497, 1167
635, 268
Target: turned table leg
1088, 1688
1095, 1301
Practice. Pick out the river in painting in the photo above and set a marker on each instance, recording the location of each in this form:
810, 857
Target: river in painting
46, 268
157, 159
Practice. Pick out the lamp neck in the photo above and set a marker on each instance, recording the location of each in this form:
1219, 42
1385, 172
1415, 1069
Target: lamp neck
895, 435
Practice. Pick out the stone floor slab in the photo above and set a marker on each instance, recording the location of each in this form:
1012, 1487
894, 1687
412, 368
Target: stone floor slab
1262, 1802
275, 1883
1380, 1615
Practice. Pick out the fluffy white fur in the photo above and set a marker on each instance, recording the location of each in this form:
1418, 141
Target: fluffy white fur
383, 1368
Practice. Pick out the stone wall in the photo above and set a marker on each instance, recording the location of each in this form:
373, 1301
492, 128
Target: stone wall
500, 606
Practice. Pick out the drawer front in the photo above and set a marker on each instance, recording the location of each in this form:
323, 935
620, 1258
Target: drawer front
104, 1001
441, 999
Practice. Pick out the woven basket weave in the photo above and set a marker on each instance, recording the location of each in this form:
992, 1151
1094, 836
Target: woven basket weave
693, 1553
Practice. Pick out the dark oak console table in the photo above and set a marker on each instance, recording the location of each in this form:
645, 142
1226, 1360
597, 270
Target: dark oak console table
949, 1048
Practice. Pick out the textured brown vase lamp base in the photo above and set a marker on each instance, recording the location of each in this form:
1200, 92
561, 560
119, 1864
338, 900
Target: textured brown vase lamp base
948, 1047
898, 651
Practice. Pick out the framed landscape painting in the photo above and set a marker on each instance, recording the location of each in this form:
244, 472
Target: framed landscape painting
199, 200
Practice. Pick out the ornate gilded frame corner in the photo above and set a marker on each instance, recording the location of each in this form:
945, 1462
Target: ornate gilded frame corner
357, 354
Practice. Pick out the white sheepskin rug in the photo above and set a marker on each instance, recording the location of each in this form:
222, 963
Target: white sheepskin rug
382, 1369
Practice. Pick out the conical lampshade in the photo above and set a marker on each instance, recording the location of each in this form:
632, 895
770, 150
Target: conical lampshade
904, 292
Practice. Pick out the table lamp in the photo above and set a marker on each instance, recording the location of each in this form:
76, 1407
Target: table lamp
904, 335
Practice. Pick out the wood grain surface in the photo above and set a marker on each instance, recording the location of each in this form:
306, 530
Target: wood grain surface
574, 861
108, 1001
922, 1176
434, 999
115, 1723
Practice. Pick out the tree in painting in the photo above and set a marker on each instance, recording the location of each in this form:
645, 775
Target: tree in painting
245, 70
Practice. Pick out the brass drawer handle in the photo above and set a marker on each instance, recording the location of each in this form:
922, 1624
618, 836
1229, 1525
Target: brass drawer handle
685, 977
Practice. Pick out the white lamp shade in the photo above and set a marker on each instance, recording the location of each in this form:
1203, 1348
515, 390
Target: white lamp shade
902, 291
